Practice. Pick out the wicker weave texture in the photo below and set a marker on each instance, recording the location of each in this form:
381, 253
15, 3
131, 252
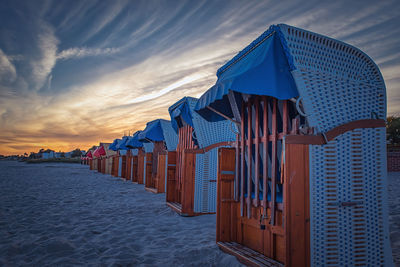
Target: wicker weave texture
338, 83
170, 136
198, 183
208, 133
119, 166
148, 147
205, 197
348, 201
212, 182
134, 152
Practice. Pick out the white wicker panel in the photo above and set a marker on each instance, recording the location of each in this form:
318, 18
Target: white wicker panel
198, 183
331, 100
119, 166
338, 83
170, 136
205, 183
348, 208
213, 174
148, 147
209, 133
205, 198
134, 152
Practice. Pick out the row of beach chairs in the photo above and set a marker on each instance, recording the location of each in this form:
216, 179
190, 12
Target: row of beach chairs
287, 148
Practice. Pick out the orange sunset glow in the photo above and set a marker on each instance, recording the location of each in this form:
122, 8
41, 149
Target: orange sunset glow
85, 79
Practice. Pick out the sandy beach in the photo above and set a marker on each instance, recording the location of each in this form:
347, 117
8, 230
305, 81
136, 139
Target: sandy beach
64, 214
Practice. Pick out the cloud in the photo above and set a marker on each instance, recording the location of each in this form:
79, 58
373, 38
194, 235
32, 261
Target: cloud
169, 88
109, 14
8, 74
43, 63
137, 59
85, 52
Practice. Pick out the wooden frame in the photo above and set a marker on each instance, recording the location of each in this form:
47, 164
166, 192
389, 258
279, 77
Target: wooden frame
115, 165
272, 245
180, 188
276, 233
90, 164
155, 168
257, 231
161, 175
140, 167
95, 164
182, 200
128, 166
123, 166
103, 165
135, 169
112, 165
172, 195
108, 165
149, 181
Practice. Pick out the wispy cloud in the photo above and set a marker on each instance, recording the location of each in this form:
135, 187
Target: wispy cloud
8, 73
169, 88
85, 52
138, 58
44, 61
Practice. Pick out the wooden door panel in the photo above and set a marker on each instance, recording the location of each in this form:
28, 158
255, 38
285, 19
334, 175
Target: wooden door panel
171, 194
225, 194
161, 175
297, 205
188, 182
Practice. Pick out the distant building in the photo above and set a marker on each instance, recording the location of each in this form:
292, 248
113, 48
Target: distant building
48, 155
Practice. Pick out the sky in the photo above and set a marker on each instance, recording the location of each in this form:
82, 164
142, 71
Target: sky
76, 73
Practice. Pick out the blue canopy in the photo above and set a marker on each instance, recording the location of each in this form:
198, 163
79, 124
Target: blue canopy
133, 141
159, 130
262, 68
152, 132
181, 109
113, 145
121, 144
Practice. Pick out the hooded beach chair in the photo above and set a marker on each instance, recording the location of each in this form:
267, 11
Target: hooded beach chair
192, 190
122, 154
89, 156
100, 154
305, 184
107, 159
95, 159
164, 138
114, 158
137, 155
119, 159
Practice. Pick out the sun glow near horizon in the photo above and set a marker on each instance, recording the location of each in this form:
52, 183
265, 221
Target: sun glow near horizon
71, 76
